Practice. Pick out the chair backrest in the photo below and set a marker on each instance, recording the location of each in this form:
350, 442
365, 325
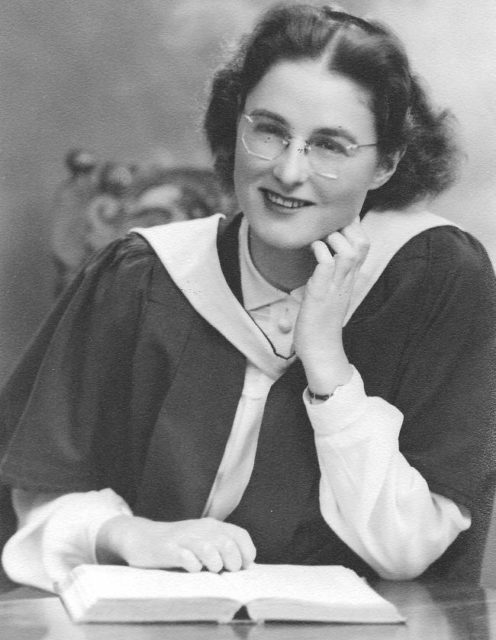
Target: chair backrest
99, 201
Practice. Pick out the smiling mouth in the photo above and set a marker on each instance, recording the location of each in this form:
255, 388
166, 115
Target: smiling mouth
287, 203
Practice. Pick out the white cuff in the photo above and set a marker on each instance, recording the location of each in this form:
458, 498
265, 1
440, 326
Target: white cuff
344, 407
56, 534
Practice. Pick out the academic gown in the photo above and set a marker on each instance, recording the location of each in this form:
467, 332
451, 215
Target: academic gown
127, 386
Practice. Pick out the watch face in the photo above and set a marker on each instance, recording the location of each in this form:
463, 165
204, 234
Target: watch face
318, 396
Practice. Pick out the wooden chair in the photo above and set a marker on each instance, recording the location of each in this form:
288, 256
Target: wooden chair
99, 201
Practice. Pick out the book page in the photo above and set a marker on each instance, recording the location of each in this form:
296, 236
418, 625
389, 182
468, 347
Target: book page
118, 582
324, 584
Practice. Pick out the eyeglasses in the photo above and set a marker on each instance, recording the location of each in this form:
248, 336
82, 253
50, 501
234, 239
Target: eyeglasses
266, 138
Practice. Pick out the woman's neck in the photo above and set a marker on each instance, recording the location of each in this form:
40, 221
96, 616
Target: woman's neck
286, 269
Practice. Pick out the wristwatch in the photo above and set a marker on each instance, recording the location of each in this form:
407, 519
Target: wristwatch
322, 397
319, 396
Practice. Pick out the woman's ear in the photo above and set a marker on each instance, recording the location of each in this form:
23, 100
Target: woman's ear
385, 169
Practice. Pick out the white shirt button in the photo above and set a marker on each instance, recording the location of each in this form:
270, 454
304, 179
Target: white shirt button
284, 325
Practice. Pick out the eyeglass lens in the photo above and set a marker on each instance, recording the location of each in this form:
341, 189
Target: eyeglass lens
267, 139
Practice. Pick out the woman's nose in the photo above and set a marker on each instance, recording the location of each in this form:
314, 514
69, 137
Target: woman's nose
292, 167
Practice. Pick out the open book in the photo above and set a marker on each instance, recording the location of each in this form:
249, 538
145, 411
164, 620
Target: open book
104, 593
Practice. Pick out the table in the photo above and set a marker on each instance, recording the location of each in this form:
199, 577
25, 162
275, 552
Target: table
433, 612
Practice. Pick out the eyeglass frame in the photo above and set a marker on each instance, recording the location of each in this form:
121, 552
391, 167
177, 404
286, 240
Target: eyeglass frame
306, 149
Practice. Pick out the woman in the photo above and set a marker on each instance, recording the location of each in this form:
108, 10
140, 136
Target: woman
311, 383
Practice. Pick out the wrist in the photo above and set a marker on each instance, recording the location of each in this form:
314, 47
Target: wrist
324, 379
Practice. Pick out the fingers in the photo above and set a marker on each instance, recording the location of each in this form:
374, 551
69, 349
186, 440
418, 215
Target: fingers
231, 548
245, 545
323, 273
348, 244
170, 555
321, 252
230, 554
338, 260
356, 236
207, 555
210, 544
184, 559
345, 249
222, 553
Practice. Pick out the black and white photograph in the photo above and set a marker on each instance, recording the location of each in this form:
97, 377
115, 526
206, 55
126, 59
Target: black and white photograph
248, 320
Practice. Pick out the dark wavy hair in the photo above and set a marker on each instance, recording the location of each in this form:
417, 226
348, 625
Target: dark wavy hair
364, 51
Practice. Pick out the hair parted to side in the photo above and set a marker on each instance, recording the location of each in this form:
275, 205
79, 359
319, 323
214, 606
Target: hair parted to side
363, 51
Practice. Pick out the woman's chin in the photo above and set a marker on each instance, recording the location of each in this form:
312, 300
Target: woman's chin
281, 242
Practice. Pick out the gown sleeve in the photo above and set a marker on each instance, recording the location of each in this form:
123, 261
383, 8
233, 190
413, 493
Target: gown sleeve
52, 409
393, 470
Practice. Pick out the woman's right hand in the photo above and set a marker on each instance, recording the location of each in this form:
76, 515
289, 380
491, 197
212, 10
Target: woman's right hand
187, 544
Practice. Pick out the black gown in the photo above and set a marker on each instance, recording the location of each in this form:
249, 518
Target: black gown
126, 386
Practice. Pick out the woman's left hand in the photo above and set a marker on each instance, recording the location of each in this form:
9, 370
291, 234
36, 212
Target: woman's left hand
319, 327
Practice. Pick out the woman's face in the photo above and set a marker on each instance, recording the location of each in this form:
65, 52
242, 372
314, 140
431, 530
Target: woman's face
286, 203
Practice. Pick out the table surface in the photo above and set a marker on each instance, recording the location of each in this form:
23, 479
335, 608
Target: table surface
433, 612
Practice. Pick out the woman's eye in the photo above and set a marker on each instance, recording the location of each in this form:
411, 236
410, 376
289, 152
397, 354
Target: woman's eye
269, 129
329, 146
